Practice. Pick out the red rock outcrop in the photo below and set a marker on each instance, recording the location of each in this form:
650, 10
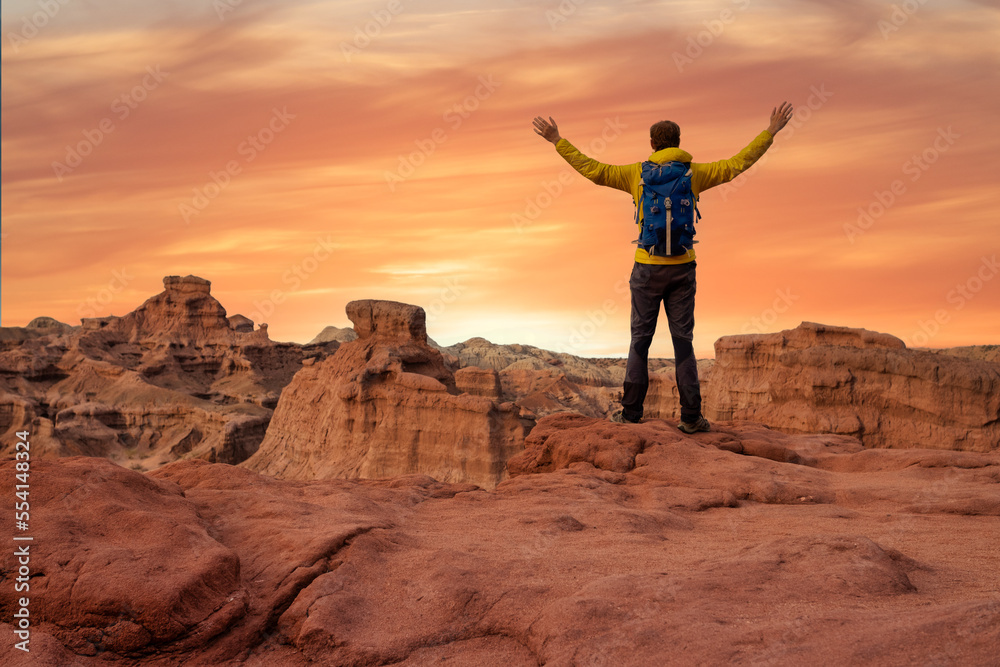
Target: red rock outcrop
613, 544
177, 378
134, 567
170, 380
762, 382
185, 310
824, 379
384, 405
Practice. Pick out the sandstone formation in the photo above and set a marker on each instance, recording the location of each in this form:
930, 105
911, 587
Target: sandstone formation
406, 508
547, 382
36, 328
177, 378
344, 335
612, 544
824, 379
812, 379
386, 404
48, 324
240, 323
981, 352
172, 379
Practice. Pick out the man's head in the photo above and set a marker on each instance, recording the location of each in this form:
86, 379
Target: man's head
665, 134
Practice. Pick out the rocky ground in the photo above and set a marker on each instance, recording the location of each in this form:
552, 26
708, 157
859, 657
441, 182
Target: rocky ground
611, 544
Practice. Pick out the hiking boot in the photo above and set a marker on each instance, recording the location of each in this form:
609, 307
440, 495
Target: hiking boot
693, 427
620, 418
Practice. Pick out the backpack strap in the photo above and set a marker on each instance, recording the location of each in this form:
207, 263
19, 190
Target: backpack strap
638, 203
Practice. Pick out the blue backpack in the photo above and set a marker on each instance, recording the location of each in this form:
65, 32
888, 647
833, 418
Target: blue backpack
668, 207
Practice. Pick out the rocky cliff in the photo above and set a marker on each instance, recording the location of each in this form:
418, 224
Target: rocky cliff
825, 379
171, 379
387, 404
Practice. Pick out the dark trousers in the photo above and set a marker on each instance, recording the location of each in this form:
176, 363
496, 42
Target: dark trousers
674, 285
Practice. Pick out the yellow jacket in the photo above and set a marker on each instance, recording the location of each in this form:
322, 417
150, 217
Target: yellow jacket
628, 177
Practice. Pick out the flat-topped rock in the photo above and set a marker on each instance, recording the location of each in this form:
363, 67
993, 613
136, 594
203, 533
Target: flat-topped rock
187, 284
389, 319
387, 404
185, 309
811, 334
241, 323
825, 379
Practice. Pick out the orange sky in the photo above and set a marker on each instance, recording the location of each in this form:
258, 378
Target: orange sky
249, 143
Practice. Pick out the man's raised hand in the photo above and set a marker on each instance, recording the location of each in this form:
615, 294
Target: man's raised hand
547, 129
779, 118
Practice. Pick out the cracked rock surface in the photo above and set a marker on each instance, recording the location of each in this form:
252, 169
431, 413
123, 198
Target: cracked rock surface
610, 544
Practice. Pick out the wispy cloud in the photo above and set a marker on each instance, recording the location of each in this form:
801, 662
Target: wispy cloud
410, 96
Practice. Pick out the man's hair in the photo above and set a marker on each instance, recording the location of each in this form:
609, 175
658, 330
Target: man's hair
665, 134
